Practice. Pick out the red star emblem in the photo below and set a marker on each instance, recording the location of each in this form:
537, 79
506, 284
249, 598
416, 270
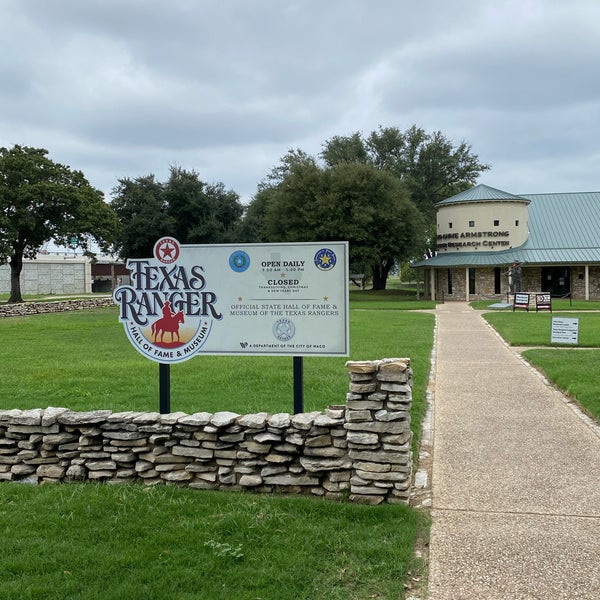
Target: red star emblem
166, 250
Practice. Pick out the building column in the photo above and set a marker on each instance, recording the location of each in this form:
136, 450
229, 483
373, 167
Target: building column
467, 284
586, 279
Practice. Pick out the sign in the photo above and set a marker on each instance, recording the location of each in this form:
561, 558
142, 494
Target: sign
521, 301
253, 299
564, 330
543, 302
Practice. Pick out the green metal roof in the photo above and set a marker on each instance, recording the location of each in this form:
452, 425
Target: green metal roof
563, 229
482, 193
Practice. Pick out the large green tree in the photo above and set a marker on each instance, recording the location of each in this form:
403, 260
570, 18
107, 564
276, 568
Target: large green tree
430, 166
185, 207
42, 200
142, 211
349, 201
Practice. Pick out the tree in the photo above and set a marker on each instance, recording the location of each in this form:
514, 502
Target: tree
184, 207
429, 164
42, 200
202, 213
350, 201
385, 222
142, 212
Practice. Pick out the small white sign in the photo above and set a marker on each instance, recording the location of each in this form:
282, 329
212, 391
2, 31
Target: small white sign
564, 330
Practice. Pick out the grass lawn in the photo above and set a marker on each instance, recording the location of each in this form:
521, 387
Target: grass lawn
573, 370
534, 329
83, 360
105, 541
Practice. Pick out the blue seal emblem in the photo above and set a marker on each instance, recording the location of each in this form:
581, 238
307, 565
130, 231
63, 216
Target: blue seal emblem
239, 261
325, 259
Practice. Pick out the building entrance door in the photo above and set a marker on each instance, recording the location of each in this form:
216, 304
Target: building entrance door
556, 280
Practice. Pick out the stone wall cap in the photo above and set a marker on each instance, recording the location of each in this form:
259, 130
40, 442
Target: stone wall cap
8, 415
147, 418
84, 418
223, 418
172, 418
28, 417
280, 420
124, 417
305, 420
394, 364
254, 420
361, 366
327, 421
51, 414
197, 419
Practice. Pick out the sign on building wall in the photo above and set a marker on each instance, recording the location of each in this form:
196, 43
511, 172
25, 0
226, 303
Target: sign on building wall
254, 299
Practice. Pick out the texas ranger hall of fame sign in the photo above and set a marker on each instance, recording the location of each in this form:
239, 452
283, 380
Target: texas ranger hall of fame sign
253, 299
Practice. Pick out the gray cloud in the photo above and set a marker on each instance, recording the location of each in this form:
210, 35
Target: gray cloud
128, 87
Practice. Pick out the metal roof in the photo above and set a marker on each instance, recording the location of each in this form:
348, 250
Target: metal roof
563, 229
482, 193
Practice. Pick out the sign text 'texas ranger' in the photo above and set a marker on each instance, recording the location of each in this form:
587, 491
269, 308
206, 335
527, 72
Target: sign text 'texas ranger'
269, 299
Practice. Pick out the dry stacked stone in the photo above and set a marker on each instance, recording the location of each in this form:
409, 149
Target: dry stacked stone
23, 309
360, 450
378, 430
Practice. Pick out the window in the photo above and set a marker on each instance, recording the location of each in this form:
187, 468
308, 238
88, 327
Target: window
517, 223
471, 223
449, 225
497, 280
496, 222
450, 281
472, 281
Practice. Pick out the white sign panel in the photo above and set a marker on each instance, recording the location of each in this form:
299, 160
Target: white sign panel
253, 299
564, 330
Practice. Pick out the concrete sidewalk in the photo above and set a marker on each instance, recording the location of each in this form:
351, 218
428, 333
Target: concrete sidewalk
516, 475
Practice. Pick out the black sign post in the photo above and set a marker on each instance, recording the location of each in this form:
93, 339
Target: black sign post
164, 384
298, 385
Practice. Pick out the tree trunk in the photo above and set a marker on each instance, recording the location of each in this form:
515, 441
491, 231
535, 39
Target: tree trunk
16, 266
380, 273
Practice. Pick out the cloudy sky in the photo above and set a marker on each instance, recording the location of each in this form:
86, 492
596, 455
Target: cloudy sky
125, 88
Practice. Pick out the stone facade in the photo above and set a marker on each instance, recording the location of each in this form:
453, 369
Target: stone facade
578, 282
361, 449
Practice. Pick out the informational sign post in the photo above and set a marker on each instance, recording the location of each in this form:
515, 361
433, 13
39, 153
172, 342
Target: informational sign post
543, 302
521, 301
254, 299
565, 330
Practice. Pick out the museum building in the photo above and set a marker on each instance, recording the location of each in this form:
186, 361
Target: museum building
491, 244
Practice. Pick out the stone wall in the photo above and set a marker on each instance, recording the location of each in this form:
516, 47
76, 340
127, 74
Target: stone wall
37, 308
361, 449
578, 282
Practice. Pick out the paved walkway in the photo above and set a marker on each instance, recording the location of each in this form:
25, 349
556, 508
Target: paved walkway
516, 475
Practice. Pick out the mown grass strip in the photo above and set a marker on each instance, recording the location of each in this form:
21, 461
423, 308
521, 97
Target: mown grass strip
112, 542
574, 370
534, 329
83, 361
